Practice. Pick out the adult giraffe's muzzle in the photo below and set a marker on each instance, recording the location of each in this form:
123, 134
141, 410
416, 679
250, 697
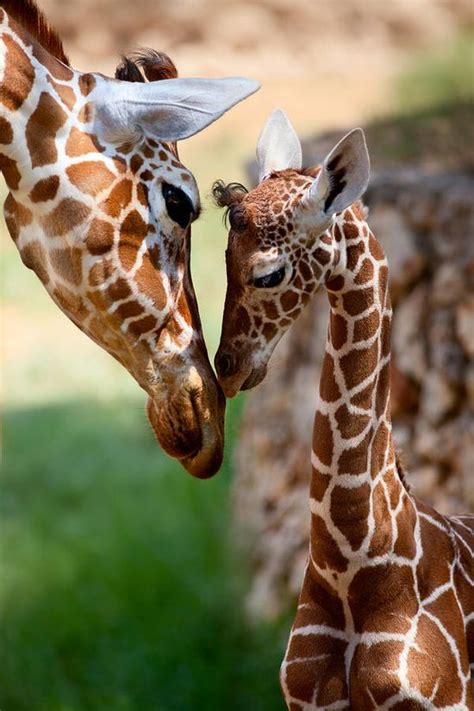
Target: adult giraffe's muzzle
186, 406
189, 424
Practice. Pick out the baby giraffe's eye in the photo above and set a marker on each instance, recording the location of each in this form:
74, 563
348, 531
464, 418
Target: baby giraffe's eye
178, 205
270, 280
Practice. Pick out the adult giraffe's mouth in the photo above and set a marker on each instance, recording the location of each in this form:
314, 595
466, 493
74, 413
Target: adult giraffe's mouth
190, 427
206, 460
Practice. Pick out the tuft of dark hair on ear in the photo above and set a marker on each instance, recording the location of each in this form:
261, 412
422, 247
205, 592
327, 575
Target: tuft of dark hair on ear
156, 65
127, 70
228, 195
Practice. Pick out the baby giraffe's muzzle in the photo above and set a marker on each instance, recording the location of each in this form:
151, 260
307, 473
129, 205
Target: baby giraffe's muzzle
236, 372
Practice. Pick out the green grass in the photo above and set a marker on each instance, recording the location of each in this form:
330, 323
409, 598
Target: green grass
121, 582
437, 77
121, 587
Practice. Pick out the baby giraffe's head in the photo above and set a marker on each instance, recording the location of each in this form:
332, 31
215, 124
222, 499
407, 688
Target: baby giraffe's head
281, 246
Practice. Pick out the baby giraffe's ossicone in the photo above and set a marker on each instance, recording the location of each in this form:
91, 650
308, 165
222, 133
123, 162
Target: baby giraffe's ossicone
281, 247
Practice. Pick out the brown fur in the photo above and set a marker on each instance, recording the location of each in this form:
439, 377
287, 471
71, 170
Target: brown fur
154, 65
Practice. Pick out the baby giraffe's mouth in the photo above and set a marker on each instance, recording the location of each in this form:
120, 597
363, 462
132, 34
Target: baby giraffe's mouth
242, 380
255, 378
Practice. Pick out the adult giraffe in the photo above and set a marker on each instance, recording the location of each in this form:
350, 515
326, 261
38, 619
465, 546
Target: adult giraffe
100, 208
386, 613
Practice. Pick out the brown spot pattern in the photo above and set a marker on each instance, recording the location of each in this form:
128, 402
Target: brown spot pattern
382, 538
34, 257
338, 330
100, 237
390, 587
10, 172
149, 283
41, 129
326, 554
373, 674
45, 189
91, 177
357, 301
322, 438
65, 93
119, 290
426, 670
366, 327
16, 216
358, 364
118, 199
100, 272
353, 460
319, 484
349, 424
65, 217
6, 131
18, 75
328, 388
67, 263
87, 83
142, 325
349, 511
79, 143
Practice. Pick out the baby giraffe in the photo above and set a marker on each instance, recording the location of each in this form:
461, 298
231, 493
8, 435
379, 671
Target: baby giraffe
386, 613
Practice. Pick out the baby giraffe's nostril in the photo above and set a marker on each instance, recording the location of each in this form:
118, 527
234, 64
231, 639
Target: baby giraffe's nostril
224, 365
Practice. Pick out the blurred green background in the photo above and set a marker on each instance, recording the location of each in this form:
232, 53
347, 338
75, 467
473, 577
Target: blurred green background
122, 578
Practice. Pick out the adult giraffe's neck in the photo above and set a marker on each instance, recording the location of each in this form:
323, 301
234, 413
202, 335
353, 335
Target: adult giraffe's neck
35, 103
355, 487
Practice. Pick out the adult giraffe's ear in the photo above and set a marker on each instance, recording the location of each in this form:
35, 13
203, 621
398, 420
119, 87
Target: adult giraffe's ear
343, 177
167, 110
278, 146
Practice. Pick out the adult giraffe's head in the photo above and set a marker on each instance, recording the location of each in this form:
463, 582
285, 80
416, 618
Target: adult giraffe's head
282, 245
100, 207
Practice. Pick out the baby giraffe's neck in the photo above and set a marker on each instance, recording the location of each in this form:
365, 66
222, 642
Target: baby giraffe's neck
359, 507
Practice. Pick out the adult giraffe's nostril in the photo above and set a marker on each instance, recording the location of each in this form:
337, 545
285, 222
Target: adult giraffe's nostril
225, 365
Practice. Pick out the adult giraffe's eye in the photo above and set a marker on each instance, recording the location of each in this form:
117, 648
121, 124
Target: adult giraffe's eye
270, 280
178, 205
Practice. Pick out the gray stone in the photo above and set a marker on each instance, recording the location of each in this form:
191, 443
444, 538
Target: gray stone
465, 325
408, 323
438, 397
448, 285
406, 261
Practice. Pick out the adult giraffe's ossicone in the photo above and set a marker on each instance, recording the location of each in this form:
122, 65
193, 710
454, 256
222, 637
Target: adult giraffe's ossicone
100, 208
386, 613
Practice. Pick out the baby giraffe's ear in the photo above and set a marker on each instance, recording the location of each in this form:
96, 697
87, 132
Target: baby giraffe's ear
278, 146
343, 177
